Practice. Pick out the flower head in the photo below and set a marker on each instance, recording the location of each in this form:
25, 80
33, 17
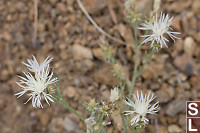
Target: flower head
118, 71
141, 107
106, 109
158, 29
34, 66
92, 105
89, 123
38, 84
114, 95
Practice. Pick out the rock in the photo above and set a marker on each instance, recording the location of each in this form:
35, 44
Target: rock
123, 30
176, 106
194, 80
156, 129
2, 104
189, 45
117, 120
80, 52
174, 129
56, 125
64, 55
197, 52
195, 95
185, 23
149, 73
170, 91
176, 25
6, 35
162, 129
85, 65
105, 95
171, 82
182, 6
94, 6
182, 121
196, 6
162, 95
69, 125
177, 48
185, 64
44, 118
197, 37
97, 52
61, 7
129, 53
21, 7
105, 19
53, 2
144, 7
104, 75
19, 37
154, 86
171, 120
193, 24
182, 76
4, 74
70, 92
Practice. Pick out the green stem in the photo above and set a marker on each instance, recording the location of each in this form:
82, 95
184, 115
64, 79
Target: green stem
122, 86
134, 76
101, 121
136, 130
58, 97
71, 109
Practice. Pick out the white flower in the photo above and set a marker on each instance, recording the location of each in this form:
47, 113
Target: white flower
89, 123
128, 4
114, 95
141, 107
38, 85
159, 28
34, 66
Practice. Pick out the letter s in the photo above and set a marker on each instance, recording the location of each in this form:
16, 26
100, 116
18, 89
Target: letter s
192, 108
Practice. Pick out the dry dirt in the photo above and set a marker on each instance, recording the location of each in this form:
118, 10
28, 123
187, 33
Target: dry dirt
65, 33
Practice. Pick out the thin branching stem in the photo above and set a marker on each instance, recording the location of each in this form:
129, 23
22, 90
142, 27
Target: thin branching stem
122, 86
101, 121
58, 97
71, 109
134, 76
97, 26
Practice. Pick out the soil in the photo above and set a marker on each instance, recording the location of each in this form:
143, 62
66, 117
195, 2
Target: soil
65, 34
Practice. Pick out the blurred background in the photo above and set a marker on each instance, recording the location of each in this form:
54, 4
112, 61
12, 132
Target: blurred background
64, 33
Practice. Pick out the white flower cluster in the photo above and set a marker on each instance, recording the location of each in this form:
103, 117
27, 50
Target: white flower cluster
114, 95
158, 29
141, 107
37, 85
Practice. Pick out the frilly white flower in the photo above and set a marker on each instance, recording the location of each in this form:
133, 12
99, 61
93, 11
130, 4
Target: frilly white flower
89, 123
34, 66
159, 28
141, 107
37, 85
114, 95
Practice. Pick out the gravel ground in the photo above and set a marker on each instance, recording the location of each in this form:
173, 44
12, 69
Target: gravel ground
65, 33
